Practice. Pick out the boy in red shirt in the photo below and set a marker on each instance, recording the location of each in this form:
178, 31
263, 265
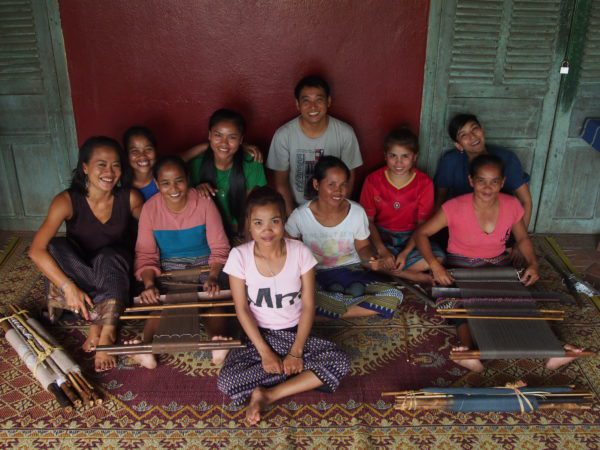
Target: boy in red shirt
397, 199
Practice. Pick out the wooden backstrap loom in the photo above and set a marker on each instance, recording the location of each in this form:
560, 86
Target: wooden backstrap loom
502, 314
179, 314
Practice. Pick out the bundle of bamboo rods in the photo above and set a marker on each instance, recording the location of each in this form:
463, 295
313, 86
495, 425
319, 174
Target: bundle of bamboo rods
459, 399
48, 362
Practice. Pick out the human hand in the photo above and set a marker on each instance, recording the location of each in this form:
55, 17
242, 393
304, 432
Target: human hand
386, 258
206, 190
272, 363
150, 295
77, 300
401, 261
531, 275
211, 286
293, 365
441, 275
254, 151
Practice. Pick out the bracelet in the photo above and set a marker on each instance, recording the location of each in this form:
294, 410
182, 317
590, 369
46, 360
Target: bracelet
65, 284
294, 356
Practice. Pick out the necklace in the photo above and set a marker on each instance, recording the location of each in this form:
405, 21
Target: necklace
269, 268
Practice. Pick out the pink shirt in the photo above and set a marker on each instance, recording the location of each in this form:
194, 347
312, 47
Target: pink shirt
466, 236
274, 301
156, 217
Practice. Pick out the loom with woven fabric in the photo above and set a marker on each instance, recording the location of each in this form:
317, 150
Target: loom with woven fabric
511, 398
503, 315
181, 307
48, 362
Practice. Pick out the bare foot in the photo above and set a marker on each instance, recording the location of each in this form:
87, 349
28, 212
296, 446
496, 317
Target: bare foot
555, 363
471, 364
415, 277
93, 337
258, 401
218, 356
146, 360
103, 361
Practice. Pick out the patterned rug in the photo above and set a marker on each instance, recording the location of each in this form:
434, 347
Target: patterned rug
178, 405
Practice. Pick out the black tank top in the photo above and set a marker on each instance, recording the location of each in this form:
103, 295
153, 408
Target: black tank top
90, 234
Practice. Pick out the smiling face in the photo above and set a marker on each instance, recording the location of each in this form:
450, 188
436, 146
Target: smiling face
471, 139
332, 189
400, 160
313, 104
103, 170
142, 154
266, 225
225, 139
173, 186
487, 182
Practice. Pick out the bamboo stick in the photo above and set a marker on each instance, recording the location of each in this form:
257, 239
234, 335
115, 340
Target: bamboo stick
82, 393
178, 306
154, 316
90, 389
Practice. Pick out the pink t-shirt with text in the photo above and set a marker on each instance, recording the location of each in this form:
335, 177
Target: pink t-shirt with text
466, 236
274, 301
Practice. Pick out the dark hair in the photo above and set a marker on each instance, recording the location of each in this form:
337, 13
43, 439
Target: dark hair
485, 160
403, 137
311, 81
78, 182
236, 197
459, 121
227, 115
172, 160
138, 130
262, 196
320, 172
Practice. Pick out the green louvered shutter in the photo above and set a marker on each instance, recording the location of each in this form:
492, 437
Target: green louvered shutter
500, 60
37, 138
571, 195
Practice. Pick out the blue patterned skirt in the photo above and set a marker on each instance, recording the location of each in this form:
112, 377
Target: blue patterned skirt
243, 370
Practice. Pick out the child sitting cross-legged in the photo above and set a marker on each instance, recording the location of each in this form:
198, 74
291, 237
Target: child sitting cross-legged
397, 199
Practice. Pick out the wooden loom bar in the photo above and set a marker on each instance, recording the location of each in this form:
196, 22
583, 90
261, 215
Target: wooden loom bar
188, 296
154, 316
184, 272
464, 310
178, 306
175, 347
476, 354
466, 316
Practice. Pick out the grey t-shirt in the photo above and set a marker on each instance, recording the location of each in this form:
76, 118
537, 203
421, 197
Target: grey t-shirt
292, 150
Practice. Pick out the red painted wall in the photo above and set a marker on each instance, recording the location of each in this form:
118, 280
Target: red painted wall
169, 63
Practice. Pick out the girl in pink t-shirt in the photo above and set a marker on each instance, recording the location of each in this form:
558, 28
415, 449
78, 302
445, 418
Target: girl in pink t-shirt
479, 225
272, 281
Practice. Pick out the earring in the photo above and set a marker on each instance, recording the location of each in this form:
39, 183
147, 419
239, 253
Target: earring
87, 182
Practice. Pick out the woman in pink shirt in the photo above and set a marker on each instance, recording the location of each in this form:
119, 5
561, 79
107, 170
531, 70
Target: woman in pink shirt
479, 224
272, 280
178, 229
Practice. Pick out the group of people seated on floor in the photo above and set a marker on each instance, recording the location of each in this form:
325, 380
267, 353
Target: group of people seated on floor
299, 250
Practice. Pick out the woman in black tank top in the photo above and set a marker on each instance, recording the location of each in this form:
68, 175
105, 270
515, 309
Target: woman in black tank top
89, 269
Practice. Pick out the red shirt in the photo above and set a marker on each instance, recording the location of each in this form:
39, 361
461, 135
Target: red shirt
397, 209
466, 237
